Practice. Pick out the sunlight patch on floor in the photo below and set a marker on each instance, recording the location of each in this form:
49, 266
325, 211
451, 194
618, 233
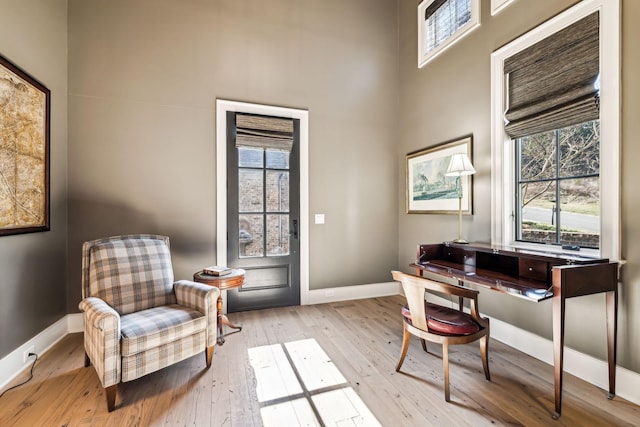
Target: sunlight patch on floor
292, 413
343, 407
274, 375
314, 366
297, 384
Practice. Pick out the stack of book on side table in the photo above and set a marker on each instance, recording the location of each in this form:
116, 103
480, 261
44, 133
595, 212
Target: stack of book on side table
216, 270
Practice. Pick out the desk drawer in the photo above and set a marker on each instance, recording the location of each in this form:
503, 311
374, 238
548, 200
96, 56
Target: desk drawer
533, 269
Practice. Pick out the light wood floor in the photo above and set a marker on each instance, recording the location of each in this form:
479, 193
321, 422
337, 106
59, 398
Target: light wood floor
360, 338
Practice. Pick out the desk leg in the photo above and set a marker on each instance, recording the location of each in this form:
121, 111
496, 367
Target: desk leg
612, 323
558, 350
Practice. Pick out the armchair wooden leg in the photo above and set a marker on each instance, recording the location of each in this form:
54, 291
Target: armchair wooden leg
208, 354
111, 396
445, 368
87, 361
406, 336
484, 353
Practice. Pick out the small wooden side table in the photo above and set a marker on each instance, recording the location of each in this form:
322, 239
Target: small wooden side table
235, 279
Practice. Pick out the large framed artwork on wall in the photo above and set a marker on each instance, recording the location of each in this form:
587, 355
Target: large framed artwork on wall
429, 189
24, 151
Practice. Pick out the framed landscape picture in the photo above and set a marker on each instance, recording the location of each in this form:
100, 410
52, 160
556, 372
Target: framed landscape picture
429, 190
24, 151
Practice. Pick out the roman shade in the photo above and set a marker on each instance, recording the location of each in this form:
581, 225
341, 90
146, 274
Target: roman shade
553, 83
265, 132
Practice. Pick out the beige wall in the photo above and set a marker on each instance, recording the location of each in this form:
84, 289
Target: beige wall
450, 97
143, 80
33, 35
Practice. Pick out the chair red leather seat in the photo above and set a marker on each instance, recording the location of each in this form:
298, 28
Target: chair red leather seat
445, 320
441, 324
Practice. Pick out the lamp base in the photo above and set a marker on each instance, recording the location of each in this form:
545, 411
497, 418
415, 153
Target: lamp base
459, 241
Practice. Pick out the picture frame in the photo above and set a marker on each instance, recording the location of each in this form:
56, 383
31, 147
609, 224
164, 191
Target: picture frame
428, 190
25, 110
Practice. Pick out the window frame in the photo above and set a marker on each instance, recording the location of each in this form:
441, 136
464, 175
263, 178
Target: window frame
425, 57
503, 149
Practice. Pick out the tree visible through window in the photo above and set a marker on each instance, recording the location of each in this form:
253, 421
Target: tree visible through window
558, 186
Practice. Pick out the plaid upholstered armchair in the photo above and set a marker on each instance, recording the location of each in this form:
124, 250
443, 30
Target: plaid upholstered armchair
137, 320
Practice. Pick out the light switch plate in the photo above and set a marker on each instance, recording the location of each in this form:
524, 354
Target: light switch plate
319, 218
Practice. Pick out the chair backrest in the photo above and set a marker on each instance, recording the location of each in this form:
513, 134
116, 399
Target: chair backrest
130, 273
414, 288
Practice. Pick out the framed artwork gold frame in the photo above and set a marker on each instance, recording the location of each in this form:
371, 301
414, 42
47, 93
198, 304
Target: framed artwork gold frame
429, 190
25, 106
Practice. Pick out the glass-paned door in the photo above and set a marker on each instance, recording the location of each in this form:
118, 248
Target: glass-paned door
263, 213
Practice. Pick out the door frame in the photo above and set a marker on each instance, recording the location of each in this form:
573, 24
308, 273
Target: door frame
222, 107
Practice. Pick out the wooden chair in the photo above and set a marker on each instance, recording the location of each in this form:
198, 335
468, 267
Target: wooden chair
437, 323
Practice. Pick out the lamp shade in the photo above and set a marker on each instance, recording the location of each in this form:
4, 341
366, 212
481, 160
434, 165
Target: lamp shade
460, 165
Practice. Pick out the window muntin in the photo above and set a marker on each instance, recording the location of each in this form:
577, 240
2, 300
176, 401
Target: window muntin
443, 22
558, 186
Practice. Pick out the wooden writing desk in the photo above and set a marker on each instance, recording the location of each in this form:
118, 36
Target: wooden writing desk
535, 276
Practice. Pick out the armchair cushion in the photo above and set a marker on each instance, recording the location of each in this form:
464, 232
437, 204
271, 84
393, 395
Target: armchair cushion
146, 329
131, 273
445, 320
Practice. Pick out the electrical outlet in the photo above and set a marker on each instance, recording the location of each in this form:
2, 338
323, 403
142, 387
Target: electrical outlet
25, 355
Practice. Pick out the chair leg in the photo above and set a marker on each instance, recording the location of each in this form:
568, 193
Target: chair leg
208, 354
111, 396
406, 336
445, 368
484, 353
424, 344
87, 361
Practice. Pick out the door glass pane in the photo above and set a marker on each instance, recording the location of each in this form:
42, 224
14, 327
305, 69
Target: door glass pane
251, 235
277, 235
277, 191
250, 190
250, 157
277, 159
538, 212
580, 212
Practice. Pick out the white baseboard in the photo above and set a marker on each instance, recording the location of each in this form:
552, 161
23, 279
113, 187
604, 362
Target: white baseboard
12, 365
345, 293
583, 366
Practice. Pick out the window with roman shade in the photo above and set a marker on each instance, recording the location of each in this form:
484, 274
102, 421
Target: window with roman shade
553, 83
555, 138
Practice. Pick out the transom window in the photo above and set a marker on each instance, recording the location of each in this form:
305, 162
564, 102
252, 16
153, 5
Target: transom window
443, 22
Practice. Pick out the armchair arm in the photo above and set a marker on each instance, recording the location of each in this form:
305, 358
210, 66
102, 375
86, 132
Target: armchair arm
203, 298
102, 339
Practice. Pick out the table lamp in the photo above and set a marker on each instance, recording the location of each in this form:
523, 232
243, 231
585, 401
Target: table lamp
460, 165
